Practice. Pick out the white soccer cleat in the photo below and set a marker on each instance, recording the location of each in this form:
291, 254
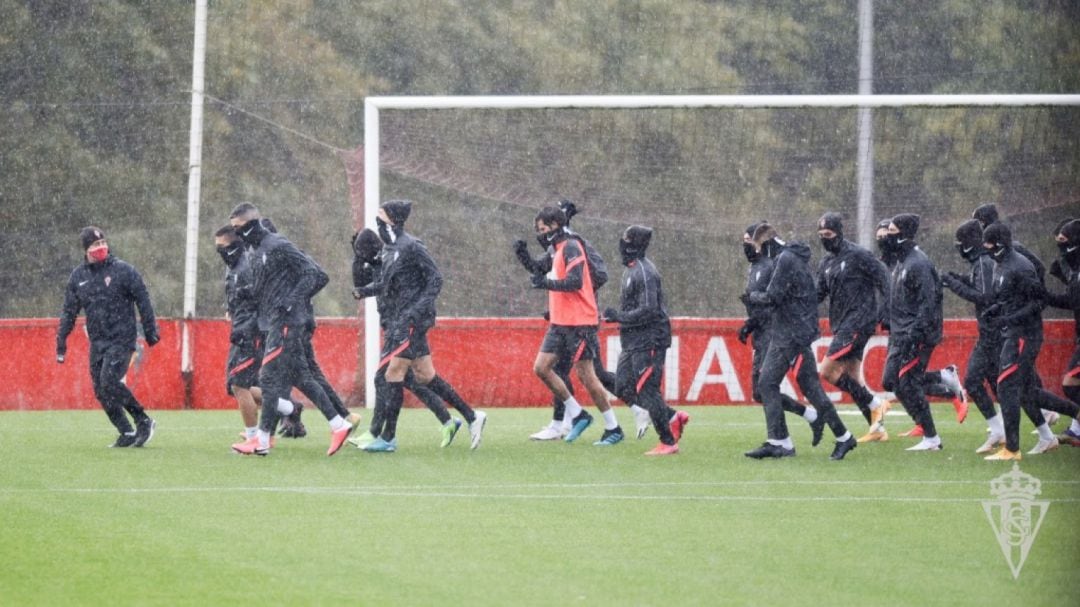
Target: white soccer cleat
1051, 418
476, 429
950, 376
1044, 446
992, 442
549, 432
642, 421
927, 444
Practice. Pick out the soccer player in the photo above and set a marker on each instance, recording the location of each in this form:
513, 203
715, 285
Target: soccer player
366, 269
409, 283
573, 324
244, 358
1067, 269
557, 429
756, 329
1017, 314
645, 336
110, 290
793, 297
285, 280
856, 285
915, 326
982, 365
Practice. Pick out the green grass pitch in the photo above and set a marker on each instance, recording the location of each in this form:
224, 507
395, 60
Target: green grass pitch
186, 522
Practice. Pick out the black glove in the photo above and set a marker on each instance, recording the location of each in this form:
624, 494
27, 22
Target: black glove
152, 339
539, 281
1057, 272
520, 246
547, 315
745, 299
744, 332
611, 314
237, 338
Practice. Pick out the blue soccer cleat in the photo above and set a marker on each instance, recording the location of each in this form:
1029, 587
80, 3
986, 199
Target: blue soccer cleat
581, 422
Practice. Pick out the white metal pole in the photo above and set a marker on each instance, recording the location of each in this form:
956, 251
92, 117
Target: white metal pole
864, 213
191, 257
371, 205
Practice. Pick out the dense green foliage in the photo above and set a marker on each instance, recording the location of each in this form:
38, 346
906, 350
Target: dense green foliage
96, 116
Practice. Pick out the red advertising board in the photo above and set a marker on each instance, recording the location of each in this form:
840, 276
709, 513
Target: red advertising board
489, 361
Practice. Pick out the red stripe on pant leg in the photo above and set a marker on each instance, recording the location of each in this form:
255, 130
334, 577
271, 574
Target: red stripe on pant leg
841, 352
797, 363
399, 350
1073, 373
1007, 372
644, 378
1021, 341
244, 365
908, 367
580, 351
271, 355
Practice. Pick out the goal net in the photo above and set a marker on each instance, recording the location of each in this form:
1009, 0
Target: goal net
699, 170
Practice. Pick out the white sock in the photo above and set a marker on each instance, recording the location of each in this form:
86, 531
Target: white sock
638, 410
285, 406
876, 403
573, 409
264, 439
1075, 426
251, 432
810, 415
996, 427
1045, 433
782, 442
846, 436
338, 423
610, 421
933, 441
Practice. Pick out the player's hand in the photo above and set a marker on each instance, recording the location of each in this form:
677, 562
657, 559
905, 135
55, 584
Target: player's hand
152, 339
745, 298
236, 338
744, 332
59, 358
539, 281
611, 314
520, 246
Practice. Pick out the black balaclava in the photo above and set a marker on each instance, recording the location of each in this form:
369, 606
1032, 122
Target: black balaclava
986, 214
366, 246
1070, 249
999, 236
969, 238
748, 247
252, 232
633, 243
882, 225
909, 226
766, 238
834, 222
398, 212
231, 252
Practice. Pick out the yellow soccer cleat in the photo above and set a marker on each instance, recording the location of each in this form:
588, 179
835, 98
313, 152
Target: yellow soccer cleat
877, 434
1004, 455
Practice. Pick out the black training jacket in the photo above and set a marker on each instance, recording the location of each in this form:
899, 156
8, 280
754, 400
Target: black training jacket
285, 280
915, 298
643, 316
408, 284
1020, 294
757, 281
240, 297
109, 292
793, 296
857, 286
978, 288
1070, 299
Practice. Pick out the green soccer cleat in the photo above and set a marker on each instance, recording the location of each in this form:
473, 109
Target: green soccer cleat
449, 431
363, 440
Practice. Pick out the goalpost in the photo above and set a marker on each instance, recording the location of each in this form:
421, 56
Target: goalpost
372, 140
